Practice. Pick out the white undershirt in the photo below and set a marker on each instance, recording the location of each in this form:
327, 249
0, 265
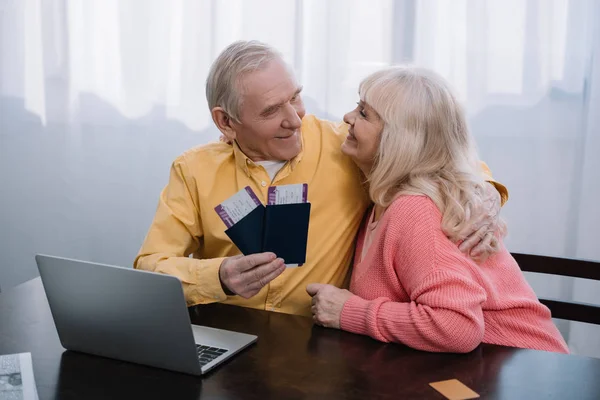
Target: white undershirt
272, 167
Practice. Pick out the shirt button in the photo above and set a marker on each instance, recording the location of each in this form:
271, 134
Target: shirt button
263, 184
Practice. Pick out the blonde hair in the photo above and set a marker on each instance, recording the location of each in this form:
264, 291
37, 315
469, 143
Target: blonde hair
425, 147
223, 81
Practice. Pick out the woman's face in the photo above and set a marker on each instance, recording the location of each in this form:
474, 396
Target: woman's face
363, 135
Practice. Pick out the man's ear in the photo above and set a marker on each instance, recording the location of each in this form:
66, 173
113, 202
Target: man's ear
224, 122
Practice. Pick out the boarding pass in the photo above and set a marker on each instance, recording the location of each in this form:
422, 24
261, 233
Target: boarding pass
238, 206
288, 194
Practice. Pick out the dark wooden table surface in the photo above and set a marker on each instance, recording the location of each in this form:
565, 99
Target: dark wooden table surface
291, 360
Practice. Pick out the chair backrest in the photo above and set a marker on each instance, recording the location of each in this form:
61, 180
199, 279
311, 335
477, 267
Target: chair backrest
572, 311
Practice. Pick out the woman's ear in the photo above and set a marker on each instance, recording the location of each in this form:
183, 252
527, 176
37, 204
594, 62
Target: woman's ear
224, 122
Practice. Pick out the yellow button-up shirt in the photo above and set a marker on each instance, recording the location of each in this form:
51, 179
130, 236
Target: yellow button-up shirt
187, 238
186, 223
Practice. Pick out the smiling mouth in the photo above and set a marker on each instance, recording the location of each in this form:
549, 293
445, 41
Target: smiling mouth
286, 137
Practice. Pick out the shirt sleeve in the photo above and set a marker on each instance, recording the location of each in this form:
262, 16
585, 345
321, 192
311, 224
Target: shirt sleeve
487, 173
175, 233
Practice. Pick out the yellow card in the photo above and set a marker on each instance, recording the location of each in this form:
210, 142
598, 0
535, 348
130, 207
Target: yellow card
454, 389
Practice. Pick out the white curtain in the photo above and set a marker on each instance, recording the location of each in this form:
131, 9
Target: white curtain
97, 97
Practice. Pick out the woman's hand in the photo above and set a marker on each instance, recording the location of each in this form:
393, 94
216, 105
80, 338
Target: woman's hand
482, 242
327, 304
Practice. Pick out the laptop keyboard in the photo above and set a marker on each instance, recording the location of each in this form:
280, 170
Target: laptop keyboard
206, 353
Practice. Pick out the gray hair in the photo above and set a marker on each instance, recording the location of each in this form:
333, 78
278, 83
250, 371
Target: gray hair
238, 59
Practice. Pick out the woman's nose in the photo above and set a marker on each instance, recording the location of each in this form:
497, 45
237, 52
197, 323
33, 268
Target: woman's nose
349, 119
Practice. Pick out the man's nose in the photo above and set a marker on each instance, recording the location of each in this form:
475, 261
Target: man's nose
292, 120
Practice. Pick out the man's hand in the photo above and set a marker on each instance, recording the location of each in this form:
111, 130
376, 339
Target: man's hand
327, 304
247, 275
482, 242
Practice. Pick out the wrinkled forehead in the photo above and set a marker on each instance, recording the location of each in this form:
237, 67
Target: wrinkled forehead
274, 80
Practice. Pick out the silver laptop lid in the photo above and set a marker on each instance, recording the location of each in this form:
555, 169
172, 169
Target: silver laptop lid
120, 313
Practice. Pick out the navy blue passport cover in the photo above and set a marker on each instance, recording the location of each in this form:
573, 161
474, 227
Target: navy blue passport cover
286, 231
247, 233
281, 229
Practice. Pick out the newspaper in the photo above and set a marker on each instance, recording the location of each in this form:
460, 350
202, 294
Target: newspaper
16, 377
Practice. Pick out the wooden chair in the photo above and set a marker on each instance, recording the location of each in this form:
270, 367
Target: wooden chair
572, 311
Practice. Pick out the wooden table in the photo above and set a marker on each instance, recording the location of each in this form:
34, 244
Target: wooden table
291, 360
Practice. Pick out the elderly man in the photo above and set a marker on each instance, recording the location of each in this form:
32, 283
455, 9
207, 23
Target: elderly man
255, 102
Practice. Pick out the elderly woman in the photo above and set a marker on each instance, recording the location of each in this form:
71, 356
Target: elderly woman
411, 284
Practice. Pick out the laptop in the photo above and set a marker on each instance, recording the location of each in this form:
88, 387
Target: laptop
131, 315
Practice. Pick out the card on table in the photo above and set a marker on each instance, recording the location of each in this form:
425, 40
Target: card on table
453, 389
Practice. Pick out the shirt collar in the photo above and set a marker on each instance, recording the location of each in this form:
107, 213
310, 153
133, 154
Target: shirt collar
243, 162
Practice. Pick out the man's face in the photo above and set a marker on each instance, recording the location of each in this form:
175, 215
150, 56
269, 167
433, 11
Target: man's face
271, 114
